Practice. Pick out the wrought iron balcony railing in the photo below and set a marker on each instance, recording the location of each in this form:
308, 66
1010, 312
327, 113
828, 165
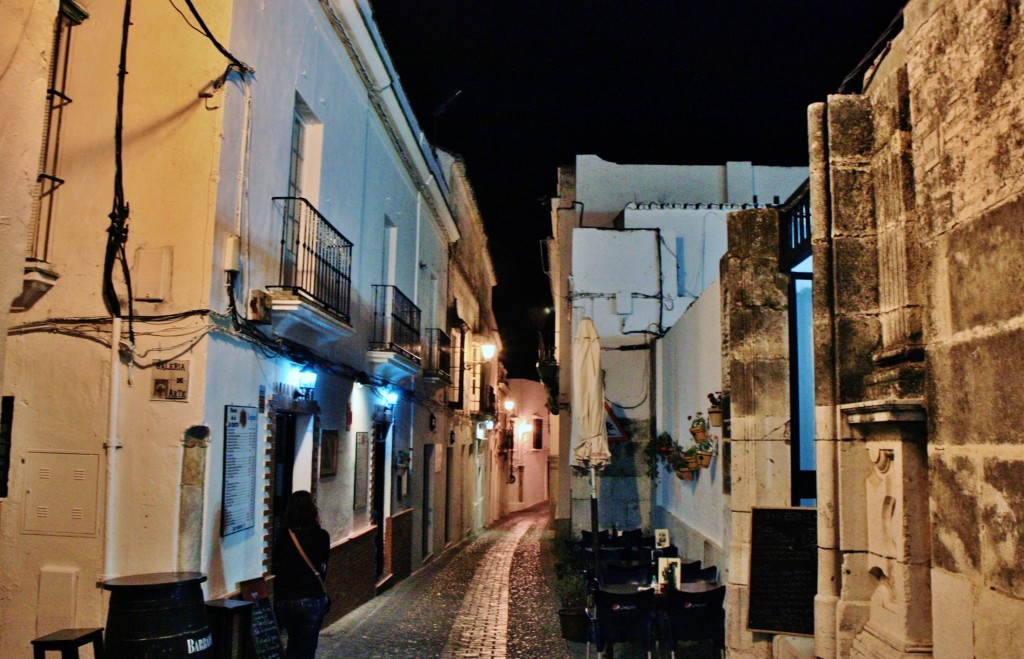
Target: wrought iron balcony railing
438, 359
316, 259
795, 228
396, 323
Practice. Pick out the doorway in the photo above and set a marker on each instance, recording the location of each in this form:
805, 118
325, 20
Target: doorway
377, 509
449, 488
428, 501
284, 466
801, 385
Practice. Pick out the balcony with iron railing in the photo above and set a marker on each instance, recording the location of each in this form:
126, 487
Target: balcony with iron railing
795, 228
312, 295
395, 345
437, 362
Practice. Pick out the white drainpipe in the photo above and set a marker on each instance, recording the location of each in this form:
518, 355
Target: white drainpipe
111, 446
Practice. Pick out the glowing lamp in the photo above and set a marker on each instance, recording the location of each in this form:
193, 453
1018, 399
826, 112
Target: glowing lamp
510, 404
487, 350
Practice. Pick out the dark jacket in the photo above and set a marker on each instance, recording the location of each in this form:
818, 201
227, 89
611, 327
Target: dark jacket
293, 578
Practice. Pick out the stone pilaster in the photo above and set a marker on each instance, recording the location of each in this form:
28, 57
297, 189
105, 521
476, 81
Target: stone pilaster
756, 370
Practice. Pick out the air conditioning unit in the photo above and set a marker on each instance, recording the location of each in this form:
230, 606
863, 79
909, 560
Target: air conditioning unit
260, 307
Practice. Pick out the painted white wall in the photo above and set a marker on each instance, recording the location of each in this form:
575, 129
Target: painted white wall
607, 187
529, 397
690, 367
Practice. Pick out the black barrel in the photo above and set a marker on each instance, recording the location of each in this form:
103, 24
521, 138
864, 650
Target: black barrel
158, 615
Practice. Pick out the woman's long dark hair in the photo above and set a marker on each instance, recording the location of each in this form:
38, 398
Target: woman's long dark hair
301, 514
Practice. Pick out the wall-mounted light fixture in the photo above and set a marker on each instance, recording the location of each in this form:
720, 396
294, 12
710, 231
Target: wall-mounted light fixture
509, 405
304, 381
487, 351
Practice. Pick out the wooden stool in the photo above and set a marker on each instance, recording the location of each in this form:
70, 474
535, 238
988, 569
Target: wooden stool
68, 641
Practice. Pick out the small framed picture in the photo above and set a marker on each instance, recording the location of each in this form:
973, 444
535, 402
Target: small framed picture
661, 539
670, 572
329, 452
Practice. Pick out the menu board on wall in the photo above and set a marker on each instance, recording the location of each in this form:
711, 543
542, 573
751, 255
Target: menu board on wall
238, 505
362, 469
783, 570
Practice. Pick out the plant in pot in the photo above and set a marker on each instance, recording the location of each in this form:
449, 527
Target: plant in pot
572, 616
706, 450
662, 450
690, 459
715, 409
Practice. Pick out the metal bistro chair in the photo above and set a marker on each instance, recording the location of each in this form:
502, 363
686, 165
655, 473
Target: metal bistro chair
694, 617
620, 618
617, 573
708, 574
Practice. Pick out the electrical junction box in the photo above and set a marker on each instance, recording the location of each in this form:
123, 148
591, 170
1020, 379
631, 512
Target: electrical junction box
151, 277
260, 307
61, 493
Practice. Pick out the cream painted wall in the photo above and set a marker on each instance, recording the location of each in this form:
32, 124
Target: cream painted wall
690, 367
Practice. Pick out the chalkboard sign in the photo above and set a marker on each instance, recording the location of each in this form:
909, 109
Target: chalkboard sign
783, 570
266, 639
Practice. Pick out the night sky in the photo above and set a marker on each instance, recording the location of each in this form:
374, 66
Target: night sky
633, 81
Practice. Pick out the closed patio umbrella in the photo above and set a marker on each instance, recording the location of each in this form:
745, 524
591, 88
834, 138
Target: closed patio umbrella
589, 436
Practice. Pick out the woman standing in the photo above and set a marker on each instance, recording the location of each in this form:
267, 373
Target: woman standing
300, 568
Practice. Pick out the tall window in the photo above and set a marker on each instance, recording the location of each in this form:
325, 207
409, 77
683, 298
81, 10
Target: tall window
57, 100
538, 434
303, 182
801, 342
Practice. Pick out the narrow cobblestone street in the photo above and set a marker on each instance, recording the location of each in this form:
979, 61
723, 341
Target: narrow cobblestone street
492, 596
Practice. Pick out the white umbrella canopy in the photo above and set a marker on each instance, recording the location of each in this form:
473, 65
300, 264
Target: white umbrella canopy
590, 437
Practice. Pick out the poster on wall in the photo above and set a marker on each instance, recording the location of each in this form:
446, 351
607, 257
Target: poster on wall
238, 504
170, 381
362, 470
329, 452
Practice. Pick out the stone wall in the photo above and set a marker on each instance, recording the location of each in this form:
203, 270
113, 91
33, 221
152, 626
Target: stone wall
755, 376
916, 190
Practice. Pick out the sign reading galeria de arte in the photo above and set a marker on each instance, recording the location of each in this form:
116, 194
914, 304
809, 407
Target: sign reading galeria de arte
170, 381
238, 505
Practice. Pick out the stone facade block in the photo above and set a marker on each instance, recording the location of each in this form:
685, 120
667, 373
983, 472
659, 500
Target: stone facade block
854, 470
971, 401
986, 273
858, 337
851, 616
824, 622
998, 626
753, 233
1001, 504
856, 586
740, 641
956, 529
853, 195
952, 616
856, 275
771, 458
851, 131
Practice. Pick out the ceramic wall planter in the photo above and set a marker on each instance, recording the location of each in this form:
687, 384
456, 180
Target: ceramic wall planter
715, 417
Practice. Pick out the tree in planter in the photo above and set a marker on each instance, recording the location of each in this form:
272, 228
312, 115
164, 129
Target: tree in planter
572, 595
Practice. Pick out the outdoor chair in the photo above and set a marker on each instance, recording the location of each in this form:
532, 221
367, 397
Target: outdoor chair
708, 574
615, 573
665, 552
621, 618
604, 554
602, 537
689, 572
694, 617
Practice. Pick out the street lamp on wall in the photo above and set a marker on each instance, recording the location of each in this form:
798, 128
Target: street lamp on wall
487, 351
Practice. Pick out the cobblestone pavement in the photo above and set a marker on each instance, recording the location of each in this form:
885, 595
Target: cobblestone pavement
492, 596
488, 597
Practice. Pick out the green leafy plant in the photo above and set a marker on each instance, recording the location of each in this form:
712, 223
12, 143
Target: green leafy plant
663, 450
572, 591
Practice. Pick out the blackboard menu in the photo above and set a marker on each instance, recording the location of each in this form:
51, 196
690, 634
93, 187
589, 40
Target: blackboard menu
783, 570
239, 493
265, 639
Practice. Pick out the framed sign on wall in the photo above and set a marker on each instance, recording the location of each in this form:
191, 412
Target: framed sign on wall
238, 498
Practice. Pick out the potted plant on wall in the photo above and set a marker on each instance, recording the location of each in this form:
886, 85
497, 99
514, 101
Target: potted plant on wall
715, 409
662, 450
706, 450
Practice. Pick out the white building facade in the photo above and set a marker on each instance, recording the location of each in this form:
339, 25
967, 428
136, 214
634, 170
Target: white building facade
285, 219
